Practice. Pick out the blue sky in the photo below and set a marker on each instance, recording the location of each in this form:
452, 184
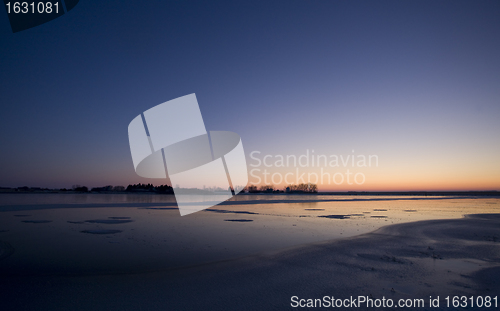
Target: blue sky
415, 82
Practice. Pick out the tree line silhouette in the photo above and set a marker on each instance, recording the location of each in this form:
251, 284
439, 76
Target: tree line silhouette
167, 189
300, 188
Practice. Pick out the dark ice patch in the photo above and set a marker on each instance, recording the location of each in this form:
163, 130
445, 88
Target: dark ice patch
239, 220
101, 231
335, 216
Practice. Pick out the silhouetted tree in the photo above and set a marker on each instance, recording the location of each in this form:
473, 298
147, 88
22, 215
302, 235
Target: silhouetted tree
81, 189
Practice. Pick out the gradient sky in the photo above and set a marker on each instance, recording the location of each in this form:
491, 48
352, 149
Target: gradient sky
415, 82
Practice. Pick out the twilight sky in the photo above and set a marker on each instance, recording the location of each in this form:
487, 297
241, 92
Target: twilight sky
416, 83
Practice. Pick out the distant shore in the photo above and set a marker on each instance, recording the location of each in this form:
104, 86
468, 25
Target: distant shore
486, 193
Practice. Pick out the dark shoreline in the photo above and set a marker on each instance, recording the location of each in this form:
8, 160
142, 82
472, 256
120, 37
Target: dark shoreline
486, 193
